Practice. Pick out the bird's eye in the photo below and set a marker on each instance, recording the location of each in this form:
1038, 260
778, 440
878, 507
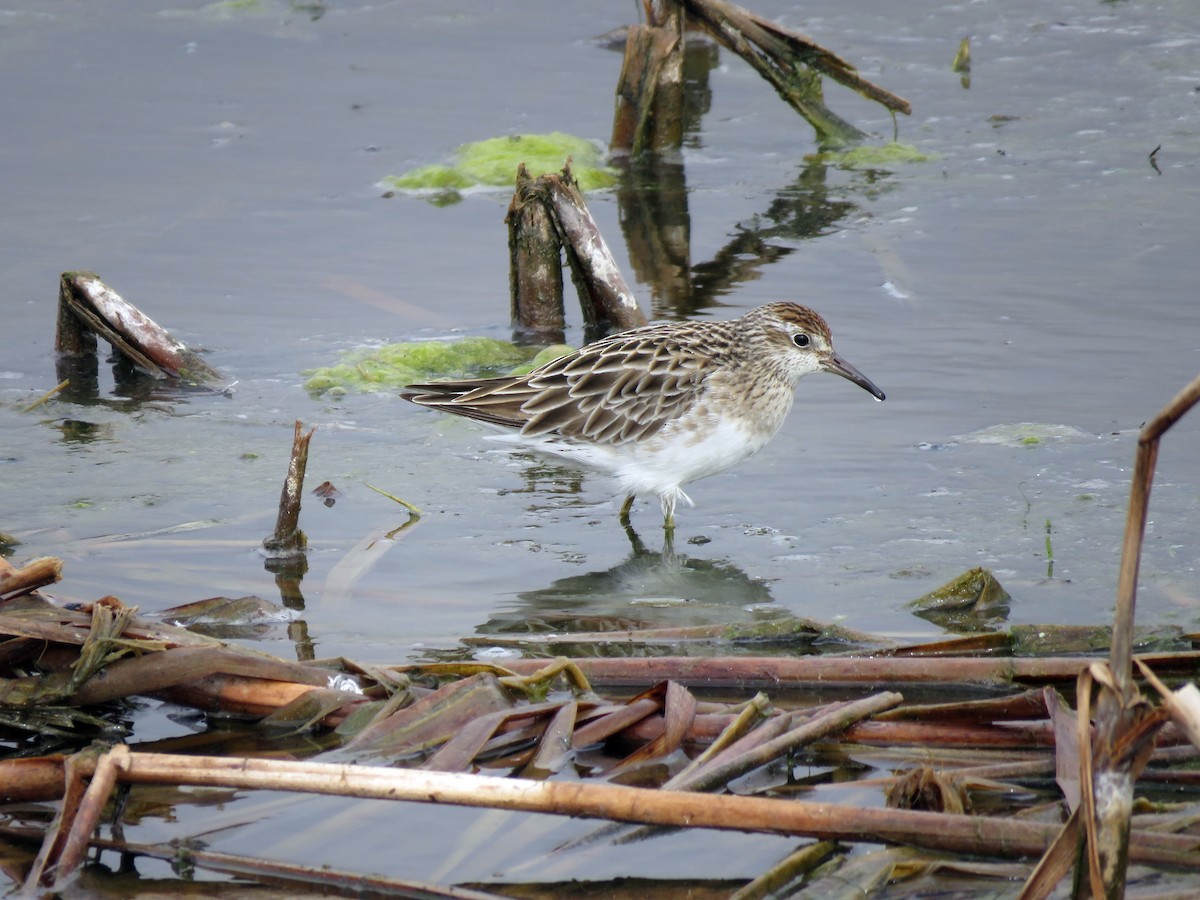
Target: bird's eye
800, 339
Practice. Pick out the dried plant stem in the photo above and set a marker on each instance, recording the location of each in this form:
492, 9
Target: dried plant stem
776, 673
290, 879
71, 789
787, 870
34, 574
936, 831
288, 540
830, 722
1113, 753
46, 396
1125, 724
792, 64
1135, 529
87, 815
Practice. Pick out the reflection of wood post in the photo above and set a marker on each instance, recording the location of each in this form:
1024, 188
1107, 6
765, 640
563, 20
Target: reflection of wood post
535, 266
649, 112
657, 228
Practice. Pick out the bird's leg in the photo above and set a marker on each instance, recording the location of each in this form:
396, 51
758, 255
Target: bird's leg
625, 508
668, 507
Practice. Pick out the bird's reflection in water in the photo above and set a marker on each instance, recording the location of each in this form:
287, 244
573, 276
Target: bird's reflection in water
648, 589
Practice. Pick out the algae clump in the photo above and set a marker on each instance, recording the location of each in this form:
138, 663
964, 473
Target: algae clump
393, 366
972, 602
436, 177
493, 163
551, 353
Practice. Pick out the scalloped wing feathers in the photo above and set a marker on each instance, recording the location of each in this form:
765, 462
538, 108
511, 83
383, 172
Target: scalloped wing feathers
620, 389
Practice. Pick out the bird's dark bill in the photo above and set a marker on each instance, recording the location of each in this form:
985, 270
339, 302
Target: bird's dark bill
838, 366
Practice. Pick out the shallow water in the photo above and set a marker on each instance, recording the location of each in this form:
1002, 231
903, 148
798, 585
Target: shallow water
221, 172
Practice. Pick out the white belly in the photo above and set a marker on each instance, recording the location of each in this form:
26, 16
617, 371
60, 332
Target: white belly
673, 458
678, 454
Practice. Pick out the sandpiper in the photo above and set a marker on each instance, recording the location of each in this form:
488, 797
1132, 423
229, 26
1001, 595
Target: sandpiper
658, 406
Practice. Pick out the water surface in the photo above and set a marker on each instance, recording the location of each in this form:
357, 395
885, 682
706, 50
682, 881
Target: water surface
221, 172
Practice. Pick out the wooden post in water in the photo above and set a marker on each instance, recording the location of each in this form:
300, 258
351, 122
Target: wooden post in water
649, 110
535, 266
536, 240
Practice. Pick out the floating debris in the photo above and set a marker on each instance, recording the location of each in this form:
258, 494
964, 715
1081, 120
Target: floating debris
1024, 434
974, 601
392, 366
492, 163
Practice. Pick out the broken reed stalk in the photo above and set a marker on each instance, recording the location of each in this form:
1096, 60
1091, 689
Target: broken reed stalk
607, 302
975, 835
1125, 724
46, 397
678, 713
827, 63
206, 677
894, 734
772, 882
34, 574
751, 727
830, 722
88, 307
828, 672
71, 788
289, 541
1113, 756
649, 108
1125, 727
803, 632
1135, 529
85, 820
288, 879
792, 64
